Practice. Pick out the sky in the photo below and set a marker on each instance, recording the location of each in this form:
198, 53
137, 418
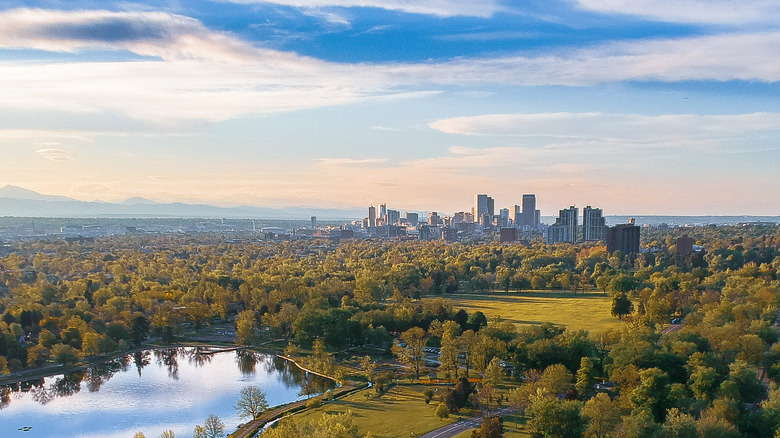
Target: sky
668, 107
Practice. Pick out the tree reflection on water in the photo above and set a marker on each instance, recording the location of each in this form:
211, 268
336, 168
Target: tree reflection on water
95, 376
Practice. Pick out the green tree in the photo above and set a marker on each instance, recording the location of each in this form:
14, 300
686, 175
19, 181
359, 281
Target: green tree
652, 392
553, 418
412, 353
245, 327
494, 374
586, 376
602, 415
368, 368
679, 425
621, 305
442, 411
251, 403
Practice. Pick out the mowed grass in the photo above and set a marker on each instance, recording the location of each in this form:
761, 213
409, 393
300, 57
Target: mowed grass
399, 412
581, 311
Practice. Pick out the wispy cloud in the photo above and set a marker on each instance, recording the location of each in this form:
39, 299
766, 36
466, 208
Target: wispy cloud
439, 8
674, 130
200, 74
691, 11
53, 153
349, 162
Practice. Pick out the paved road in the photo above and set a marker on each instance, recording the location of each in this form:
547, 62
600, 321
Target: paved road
459, 426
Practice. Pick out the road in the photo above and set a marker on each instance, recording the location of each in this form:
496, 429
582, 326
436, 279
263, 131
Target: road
459, 426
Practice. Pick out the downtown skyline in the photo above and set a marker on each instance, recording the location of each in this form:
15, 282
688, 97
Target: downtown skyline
647, 107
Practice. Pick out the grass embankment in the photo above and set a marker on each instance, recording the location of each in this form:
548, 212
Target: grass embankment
397, 413
582, 311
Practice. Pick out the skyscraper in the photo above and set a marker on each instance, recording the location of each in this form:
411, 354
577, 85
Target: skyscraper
383, 213
565, 227
529, 210
593, 224
371, 216
393, 216
483, 204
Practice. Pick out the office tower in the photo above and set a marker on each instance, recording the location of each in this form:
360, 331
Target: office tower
434, 219
371, 216
624, 238
314, 222
502, 220
565, 227
483, 204
516, 215
393, 217
593, 225
412, 218
529, 210
383, 213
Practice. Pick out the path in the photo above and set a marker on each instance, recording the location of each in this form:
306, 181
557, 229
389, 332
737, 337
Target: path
459, 426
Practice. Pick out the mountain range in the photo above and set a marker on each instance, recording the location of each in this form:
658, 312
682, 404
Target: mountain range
21, 202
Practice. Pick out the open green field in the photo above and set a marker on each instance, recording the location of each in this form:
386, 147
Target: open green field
397, 413
581, 311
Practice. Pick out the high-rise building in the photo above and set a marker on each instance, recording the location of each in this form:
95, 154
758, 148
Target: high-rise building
593, 224
516, 215
412, 218
483, 204
624, 238
371, 216
383, 213
393, 217
529, 210
314, 222
565, 227
434, 219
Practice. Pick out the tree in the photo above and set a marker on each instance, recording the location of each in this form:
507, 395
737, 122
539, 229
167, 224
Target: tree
556, 379
442, 411
65, 354
621, 305
199, 432
679, 425
139, 435
245, 327
493, 372
448, 355
602, 414
652, 392
251, 403
167, 434
214, 427
491, 427
412, 354
368, 368
585, 377
553, 418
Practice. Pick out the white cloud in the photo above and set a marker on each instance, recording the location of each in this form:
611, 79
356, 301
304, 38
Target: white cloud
439, 8
691, 11
53, 153
674, 130
342, 162
199, 74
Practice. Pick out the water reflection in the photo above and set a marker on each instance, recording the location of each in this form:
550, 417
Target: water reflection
199, 356
168, 358
247, 361
95, 376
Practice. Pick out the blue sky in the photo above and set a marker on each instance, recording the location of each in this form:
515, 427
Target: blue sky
637, 107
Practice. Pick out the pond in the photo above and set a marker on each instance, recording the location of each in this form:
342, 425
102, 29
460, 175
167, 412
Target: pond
149, 391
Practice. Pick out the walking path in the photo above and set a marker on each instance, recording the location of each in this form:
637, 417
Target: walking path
459, 426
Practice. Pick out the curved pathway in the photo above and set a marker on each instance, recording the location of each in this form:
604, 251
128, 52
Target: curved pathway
459, 426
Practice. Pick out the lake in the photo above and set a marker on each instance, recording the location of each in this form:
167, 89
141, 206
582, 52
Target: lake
149, 391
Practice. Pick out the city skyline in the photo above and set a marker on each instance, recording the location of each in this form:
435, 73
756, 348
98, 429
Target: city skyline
649, 107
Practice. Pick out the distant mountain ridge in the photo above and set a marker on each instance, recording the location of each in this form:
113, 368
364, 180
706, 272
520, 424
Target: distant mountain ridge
21, 202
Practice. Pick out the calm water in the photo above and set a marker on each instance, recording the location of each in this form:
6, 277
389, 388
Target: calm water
149, 392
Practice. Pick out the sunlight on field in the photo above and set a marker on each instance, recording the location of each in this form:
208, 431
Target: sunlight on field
589, 312
397, 413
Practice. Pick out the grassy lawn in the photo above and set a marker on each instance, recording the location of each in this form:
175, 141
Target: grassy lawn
586, 311
397, 413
